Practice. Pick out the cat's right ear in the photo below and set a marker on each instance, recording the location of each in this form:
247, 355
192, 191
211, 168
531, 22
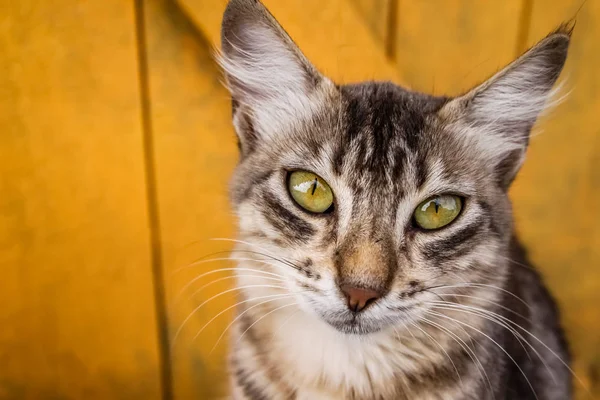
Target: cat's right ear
270, 80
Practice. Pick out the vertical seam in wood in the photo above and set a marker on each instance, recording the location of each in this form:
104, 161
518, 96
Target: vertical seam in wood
524, 26
391, 33
153, 211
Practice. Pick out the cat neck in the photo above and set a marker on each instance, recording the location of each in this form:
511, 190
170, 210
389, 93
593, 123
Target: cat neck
320, 362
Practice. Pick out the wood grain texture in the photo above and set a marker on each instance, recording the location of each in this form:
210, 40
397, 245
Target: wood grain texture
556, 195
331, 33
195, 152
78, 313
375, 13
448, 46
77, 316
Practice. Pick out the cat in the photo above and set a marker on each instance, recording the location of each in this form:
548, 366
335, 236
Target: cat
378, 258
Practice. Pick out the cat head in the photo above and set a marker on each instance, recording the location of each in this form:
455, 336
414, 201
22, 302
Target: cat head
367, 198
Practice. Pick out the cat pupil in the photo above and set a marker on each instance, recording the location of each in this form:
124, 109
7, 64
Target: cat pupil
314, 187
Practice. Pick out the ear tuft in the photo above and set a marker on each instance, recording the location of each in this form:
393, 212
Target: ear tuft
566, 28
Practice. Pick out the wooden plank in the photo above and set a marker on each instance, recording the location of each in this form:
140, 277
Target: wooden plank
195, 151
376, 15
77, 312
448, 46
556, 195
331, 33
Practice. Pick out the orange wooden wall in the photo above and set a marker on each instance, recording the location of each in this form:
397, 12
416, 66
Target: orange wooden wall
116, 147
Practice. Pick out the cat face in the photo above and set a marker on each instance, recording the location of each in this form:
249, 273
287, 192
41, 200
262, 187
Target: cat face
412, 187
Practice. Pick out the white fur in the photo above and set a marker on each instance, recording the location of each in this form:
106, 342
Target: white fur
517, 97
323, 362
269, 78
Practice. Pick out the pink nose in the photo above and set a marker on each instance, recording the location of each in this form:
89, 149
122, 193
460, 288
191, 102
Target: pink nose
359, 298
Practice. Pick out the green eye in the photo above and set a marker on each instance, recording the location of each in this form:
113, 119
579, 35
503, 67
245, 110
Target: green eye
438, 211
310, 191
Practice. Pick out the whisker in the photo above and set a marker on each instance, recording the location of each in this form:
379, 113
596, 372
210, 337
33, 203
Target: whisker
583, 385
410, 332
508, 321
197, 261
555, 355
244, 312
215, 271
235, 259
473, 284
565, 364
512, 261
469, 337
264, 316
442, 348
275, 332
493, 341
268, 256
508, 309
471, 353
273, 297
233, 277
489, 315
214, 297
406, 350
266, 252
203, 259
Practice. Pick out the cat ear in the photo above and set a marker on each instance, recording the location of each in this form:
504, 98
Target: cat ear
498, 115
270, 80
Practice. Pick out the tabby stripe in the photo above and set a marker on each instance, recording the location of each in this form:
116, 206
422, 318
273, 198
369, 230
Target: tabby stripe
492, 224
252, 184
292, 226
455, 245
439, 376
251, 391
422, 169
270, 372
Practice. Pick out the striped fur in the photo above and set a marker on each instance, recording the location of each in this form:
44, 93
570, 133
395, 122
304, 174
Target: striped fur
383, 150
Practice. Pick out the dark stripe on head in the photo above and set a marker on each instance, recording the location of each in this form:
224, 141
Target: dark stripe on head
399, 167
284, 220
338, 159
382, 123
456, 245
422, 169
251, 184
487, 209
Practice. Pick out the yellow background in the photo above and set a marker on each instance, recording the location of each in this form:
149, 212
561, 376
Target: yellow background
116, 147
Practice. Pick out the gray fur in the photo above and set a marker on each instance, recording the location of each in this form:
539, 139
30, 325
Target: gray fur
383, 150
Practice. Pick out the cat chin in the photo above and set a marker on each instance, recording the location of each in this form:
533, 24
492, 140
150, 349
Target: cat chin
354, 326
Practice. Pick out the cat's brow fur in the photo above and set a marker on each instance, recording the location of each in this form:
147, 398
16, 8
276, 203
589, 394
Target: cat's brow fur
383, 150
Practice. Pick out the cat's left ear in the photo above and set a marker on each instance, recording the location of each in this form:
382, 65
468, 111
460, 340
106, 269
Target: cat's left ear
497, 116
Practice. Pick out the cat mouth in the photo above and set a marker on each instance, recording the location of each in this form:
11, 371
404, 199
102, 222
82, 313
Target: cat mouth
355, 325
361, 323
